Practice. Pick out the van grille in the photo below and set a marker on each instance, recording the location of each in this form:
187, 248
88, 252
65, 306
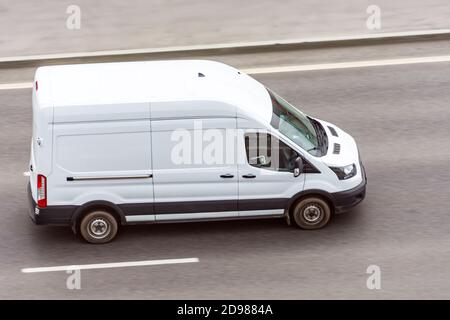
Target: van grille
336, 148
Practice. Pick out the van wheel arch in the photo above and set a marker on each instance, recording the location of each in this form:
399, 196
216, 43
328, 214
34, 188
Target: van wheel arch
312, 193
96, 205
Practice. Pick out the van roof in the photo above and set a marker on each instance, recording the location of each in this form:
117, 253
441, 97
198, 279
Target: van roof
150, 81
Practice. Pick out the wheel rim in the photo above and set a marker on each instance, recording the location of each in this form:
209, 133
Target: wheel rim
312, 213
99, 228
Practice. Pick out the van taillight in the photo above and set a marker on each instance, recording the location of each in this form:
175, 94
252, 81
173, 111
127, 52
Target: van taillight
41, 191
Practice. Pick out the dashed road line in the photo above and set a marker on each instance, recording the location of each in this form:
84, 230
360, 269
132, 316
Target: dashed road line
111, 265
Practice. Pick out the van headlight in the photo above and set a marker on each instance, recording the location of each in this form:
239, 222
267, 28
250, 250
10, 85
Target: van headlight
345, 172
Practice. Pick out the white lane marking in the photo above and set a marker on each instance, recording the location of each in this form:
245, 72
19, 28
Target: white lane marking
111, 265
222, 45
12, 86
307, 67
346, 65
26, 174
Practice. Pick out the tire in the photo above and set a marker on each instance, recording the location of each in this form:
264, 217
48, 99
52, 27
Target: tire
98, 227
311, 213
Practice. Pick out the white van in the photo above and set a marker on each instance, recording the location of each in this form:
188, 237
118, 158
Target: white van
165, 141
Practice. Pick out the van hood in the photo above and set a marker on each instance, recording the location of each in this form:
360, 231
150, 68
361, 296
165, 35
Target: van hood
342, 148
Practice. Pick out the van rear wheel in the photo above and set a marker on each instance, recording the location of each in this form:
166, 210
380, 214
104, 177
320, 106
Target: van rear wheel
311, 213
98, 227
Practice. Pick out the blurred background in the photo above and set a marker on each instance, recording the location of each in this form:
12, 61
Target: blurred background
29, 28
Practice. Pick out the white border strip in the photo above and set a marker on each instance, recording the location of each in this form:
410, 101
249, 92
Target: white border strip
202, 215
111, 265
261, 213
234, 45
197, 215
141, 218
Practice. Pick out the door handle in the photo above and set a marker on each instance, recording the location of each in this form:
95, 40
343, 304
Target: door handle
228, 175
249, 176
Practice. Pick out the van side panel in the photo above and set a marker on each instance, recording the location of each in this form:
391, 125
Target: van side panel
189, 175
192, 109
98, 159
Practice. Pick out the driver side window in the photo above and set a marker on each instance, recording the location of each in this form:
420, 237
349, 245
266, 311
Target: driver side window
268, 152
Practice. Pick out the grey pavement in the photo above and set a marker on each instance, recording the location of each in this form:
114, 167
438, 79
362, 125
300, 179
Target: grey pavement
274, 57
28, 27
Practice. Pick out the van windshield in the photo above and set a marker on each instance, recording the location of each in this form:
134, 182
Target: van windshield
293, 124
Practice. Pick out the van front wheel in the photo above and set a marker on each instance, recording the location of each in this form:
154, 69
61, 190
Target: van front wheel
98, 227
311, 213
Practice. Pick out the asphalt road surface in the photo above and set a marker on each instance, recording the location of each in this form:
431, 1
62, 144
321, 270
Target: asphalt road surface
27, 28
400, 118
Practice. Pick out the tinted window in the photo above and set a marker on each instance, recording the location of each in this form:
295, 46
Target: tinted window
268, 152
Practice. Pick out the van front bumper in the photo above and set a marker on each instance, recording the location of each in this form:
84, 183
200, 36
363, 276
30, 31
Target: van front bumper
345, 200
52, 215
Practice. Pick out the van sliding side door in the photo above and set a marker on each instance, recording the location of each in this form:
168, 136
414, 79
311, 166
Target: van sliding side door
193, 179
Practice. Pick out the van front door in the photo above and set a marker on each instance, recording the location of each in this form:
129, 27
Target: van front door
266, 178
194, 174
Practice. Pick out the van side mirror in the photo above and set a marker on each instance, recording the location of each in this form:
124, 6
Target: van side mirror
298, 166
